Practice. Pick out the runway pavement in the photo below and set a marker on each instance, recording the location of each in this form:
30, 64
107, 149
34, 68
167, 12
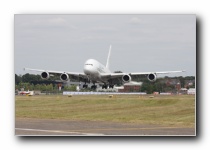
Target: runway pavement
42, 127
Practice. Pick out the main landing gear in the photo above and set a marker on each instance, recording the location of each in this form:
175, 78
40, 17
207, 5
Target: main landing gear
93, 87
111, 86
85, 86
106, 86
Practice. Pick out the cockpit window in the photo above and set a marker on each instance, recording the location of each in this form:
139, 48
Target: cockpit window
89, 64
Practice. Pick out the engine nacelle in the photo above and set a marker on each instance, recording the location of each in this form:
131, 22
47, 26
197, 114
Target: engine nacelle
64, 77
152, 77
45, 75
126, 78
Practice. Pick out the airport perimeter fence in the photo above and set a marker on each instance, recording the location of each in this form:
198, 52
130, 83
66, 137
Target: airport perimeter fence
101, 93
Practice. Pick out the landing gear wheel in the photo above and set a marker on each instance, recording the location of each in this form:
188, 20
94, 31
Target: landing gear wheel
111, 86
104, 87
85, 86
93, 87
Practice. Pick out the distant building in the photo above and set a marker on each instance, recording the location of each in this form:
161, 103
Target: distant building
191, 91
189, 83
183, 91
174, 82
131, 87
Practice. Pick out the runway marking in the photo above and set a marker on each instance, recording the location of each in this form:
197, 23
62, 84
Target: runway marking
58, 131
102, 129
106, 129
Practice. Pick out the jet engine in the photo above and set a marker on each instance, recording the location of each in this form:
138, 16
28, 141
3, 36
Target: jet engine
152, 77
64, 77
45, 75
126, 78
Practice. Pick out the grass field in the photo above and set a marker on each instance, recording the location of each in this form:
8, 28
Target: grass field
164, 110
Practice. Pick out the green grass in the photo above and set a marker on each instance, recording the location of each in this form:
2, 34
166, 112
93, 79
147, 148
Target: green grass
163, 110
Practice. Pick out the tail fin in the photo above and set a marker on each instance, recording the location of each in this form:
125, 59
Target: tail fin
107, 63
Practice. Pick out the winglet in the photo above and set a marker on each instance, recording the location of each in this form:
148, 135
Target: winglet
107, 63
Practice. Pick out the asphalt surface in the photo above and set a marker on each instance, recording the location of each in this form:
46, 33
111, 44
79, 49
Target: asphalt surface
47, 127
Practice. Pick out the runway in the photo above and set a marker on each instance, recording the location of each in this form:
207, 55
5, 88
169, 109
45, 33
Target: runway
48, 127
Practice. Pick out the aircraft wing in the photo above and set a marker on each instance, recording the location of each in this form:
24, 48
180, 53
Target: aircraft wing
113, 75
126, 77
74, 75
161, 72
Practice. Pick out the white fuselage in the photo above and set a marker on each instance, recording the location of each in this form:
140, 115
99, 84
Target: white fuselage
93, 69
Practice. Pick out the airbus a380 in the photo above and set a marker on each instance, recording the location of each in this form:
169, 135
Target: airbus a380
96, 72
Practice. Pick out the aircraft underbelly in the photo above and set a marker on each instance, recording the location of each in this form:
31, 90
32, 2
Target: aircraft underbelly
97, 78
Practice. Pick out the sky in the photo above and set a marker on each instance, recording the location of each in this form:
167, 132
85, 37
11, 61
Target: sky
140, 43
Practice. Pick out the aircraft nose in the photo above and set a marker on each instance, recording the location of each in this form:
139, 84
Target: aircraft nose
88, 69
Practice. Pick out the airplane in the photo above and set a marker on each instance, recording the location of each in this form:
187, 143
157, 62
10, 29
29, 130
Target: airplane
24, 92
96, 72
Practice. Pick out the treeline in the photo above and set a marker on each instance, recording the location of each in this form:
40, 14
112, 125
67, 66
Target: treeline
28, 78
34, 82
45, 88
167, 84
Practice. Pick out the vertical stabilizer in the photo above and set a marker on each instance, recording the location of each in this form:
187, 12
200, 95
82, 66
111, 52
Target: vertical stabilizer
107, 63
